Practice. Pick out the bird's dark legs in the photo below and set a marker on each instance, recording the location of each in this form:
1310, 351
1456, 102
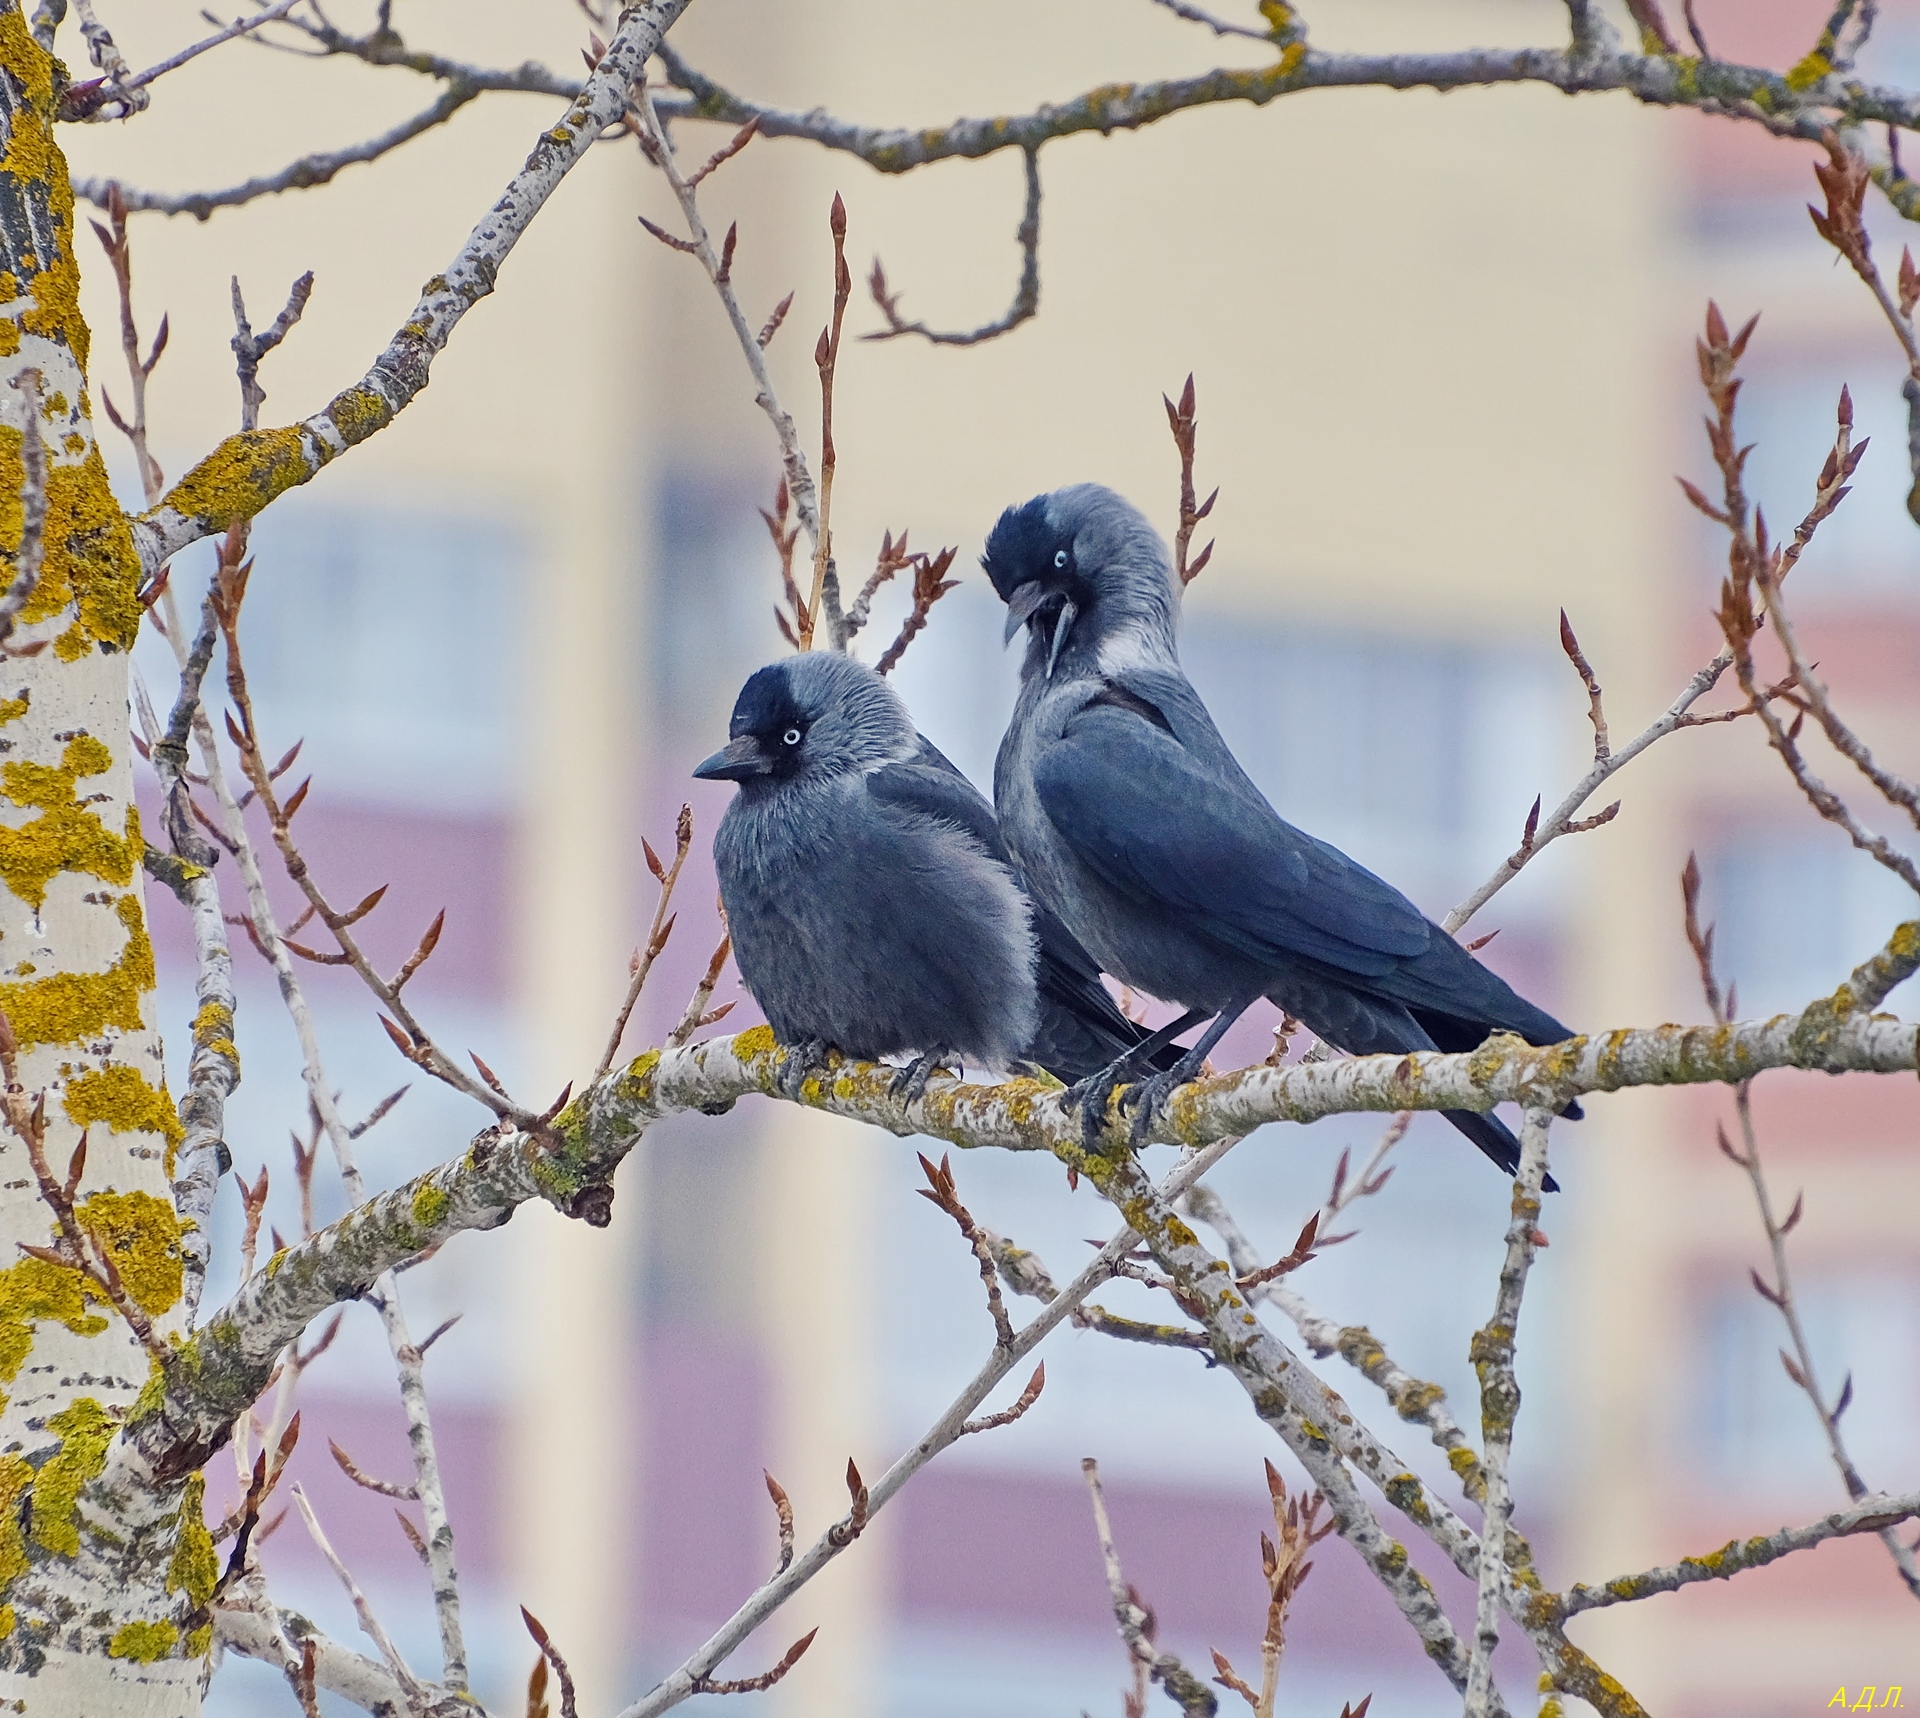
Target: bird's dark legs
1145, 1099
803, 1059
1090, 1095
911, 1081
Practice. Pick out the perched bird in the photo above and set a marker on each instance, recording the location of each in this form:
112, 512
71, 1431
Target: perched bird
872, 903
1131, 820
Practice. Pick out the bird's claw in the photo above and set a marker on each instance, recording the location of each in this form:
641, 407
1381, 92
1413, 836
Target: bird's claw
1090, 1097
1145, 1102
802, 1062
910, 1082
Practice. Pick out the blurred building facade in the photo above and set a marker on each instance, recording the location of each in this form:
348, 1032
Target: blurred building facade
1442, 351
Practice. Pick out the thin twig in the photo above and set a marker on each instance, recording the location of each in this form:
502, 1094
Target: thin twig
662, 928
361, 1609
1026, 296
1135, 1621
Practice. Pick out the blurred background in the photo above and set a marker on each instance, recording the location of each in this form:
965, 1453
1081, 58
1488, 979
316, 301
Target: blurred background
1443, 354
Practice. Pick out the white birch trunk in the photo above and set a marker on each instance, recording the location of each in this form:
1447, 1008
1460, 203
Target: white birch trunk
101, 1587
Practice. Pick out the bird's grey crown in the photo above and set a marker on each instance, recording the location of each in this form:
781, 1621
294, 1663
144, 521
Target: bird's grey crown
854, 721
1118, 575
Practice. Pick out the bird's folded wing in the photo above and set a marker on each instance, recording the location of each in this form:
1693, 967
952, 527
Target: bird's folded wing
927, 785
1169, 820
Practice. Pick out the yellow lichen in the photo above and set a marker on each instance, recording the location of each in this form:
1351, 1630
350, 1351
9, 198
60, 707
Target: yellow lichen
141, 1235
1809, 72
144, 1642
194, 1568
755, 1041
36, 1289
240, 476
358, 412
85, 1429
213, 1030
16, 1476
66, 836
67, 1007
120, 1097
89, 557
430, 1205
12, 709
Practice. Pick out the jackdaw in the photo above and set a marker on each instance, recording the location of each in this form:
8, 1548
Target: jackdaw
1131, 820
872, 902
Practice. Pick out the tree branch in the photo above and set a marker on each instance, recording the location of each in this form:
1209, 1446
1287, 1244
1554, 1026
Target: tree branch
249, 470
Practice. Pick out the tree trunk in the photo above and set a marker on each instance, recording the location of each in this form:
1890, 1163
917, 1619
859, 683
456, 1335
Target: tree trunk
103, 1581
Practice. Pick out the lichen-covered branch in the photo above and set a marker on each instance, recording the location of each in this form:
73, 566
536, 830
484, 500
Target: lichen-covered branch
1784, 102
298, 175
247, 471
1413, 1399
1874, 1513
1492, 1353
571, 1164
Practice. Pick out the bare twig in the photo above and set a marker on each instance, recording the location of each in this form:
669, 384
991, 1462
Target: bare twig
1757, 566
1135, 1621
1295, 1533
795, 1573
1026, 296
1800, 1366
942, 1191
697, 1013
1874, 1513
824, 598
569, 1707
91, 100
369, 1623
765, 1680
1184, 422
662, 928
930, 584
797, 477
1595, 712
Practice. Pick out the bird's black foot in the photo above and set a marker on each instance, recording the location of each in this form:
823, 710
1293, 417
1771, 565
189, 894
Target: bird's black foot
910, 1083
802, 1062
1092, 1095
1145, 1101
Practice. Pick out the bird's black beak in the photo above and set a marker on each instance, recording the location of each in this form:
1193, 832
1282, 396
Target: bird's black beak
1027, 601
1061, 628
735, 761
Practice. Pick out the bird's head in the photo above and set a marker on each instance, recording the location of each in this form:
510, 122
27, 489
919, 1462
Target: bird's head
811, 716
1082, 571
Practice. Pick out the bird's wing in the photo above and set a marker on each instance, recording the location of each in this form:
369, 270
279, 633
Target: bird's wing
1145, 793
1081, 1027
927, 785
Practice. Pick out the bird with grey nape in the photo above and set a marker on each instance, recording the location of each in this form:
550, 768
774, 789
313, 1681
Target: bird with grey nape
872, 904
1131, 820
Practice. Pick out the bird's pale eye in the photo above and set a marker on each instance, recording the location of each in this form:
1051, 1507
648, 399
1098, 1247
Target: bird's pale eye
791, 737
1060, 559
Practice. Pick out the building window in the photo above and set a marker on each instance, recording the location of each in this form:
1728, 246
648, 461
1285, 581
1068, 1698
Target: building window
385, 639
1868, 549
1795, 910
1757, 1430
